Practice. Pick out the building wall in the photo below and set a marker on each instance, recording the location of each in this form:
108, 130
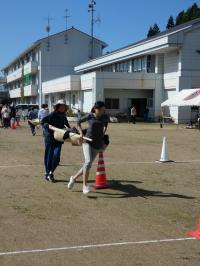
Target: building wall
190, 60
125, 96
87, 102
171, 61
62, 57
97, 86
58, 62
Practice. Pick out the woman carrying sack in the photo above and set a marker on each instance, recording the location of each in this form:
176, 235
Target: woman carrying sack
53, 147
98, 122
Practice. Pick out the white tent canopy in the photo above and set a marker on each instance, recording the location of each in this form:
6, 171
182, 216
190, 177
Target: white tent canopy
190, 97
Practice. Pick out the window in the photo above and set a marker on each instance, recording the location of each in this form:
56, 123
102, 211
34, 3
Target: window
135, 65
46, 99
27, 80
108, 68
33, 79
139, 64
150, 102
144, 64
151, 64
112, 103
33, 56
122, 67
74, 100
33, 100
52, 100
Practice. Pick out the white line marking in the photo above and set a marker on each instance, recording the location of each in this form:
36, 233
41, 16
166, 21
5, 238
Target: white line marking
17, 165
96, 246
107, 163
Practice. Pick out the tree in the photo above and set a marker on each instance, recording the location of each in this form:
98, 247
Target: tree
193, 12
181, 18
153, 30
150, 32
170, 23
156, 29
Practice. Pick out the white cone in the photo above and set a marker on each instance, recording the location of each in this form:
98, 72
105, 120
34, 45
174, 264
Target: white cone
164, 153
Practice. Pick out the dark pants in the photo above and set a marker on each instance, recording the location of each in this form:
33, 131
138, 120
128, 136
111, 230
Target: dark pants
6, 122
32, 127
133, 119
146, 117
51, 155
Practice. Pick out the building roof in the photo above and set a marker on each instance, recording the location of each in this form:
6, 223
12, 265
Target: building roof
163, 33
38, 42
146, 40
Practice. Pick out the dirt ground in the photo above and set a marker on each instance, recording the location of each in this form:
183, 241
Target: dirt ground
146, 200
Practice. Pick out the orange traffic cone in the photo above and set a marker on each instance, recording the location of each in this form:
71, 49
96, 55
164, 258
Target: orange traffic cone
101, 181
196, 233
13, 124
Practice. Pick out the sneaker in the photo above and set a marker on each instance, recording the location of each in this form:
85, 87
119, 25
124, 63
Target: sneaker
86, 189
46, 177
71, 182
50, 178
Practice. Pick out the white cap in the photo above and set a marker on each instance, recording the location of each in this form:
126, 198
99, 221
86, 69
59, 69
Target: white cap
62, 102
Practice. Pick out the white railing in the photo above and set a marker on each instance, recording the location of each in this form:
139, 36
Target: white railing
31, 90
15, 75
15, 93
30, 68
67, 83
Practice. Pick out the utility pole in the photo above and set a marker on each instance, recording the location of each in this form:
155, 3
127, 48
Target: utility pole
48, 29
91, 8
66, 17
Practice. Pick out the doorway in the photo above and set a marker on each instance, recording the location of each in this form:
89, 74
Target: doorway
140, 105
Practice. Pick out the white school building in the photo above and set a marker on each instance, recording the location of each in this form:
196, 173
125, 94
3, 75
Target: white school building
48, 59
145, 73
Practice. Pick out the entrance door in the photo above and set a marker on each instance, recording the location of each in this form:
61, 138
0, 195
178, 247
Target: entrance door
140, 105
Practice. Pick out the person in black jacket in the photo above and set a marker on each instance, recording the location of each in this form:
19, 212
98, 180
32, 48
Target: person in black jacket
97, 126
53, 147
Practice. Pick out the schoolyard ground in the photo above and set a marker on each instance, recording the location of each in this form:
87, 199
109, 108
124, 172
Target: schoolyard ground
146, 201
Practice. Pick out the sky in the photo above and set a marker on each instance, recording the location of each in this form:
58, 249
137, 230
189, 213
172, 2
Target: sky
122, 21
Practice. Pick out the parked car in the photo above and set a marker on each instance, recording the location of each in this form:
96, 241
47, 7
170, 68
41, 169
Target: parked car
25, 108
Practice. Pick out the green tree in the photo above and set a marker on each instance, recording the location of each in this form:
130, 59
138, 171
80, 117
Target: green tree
150, 32
193, 12
156, 29
181, 18
153, 30
170, 23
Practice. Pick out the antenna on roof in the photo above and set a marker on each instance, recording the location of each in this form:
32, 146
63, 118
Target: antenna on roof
48, 29
91, 8
66, 24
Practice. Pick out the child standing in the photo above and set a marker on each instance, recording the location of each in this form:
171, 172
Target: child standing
6, 118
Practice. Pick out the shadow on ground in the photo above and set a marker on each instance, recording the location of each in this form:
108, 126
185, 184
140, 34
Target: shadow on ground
129, 190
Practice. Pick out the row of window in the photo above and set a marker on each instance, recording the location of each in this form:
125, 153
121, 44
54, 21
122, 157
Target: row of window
62, 96
113, 103
140, 64
33, 56
27, 80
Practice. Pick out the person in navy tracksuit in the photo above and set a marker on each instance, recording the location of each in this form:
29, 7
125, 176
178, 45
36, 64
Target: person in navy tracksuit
53, 147
32, 114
